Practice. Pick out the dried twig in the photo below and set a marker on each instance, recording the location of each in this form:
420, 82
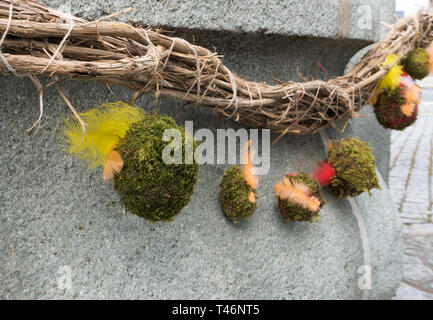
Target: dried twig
38, 86
74, 112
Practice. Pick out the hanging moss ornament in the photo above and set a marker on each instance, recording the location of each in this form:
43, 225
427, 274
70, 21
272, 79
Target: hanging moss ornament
148, 187
299, 197
354, 168
397, 99
393, 112
416, 63
129, 144
238, 188
236, 195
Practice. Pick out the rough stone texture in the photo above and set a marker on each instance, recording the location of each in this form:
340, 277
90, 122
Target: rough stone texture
419, 261
56, 213
355, 19
411, 186
411, 169
407, 292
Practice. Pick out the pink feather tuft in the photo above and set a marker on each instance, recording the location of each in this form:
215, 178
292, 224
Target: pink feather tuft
406, 80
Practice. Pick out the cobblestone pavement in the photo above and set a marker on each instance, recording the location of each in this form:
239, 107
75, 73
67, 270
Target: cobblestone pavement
411, 185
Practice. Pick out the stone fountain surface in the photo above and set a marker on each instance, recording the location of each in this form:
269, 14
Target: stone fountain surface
58, 219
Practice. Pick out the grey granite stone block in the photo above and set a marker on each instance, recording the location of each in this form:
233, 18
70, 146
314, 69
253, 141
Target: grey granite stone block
355, 19
58, 218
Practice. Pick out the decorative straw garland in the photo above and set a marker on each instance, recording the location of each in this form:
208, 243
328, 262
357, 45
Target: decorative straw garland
38, 40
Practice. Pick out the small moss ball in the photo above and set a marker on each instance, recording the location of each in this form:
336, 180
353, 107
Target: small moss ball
147, 186
294, 212
388, 110
417, 64
355, 168
234, 195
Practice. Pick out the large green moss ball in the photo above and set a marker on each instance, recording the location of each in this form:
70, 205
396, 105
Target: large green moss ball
417, 64
355, 168
147, 186
388, 110
294, 212
234, 195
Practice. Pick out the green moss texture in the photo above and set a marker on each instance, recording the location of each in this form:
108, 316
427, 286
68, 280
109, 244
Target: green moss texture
147, 186
355, 168
234, 195
417, 64
294, 212
388, 110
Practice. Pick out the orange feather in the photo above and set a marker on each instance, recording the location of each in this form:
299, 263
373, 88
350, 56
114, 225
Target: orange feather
412, 95
114, 164
247, 168
252, 197
297, 193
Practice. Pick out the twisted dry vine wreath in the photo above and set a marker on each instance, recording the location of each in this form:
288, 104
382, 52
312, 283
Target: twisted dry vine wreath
38, 40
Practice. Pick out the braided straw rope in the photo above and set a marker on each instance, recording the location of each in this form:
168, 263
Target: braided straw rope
38, 40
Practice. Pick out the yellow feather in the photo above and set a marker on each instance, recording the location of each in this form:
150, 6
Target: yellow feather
106, 125
392, 79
